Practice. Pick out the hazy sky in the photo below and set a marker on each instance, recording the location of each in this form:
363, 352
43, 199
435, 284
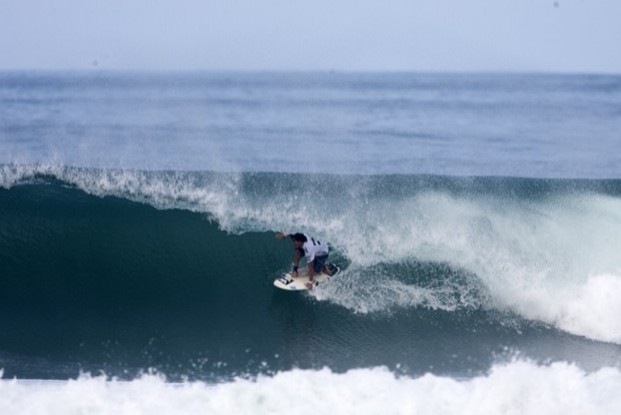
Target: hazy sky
414, 35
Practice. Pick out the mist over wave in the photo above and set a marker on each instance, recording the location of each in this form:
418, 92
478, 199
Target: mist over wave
544, 249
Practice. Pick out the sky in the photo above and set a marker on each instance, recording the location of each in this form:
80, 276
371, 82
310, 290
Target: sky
567, 36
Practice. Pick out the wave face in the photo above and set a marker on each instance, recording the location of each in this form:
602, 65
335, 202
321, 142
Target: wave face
122, 270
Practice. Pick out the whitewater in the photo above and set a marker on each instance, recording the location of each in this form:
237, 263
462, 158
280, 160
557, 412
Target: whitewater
514, 388
476, 217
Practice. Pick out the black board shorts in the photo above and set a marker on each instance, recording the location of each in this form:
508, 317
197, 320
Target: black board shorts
319, 262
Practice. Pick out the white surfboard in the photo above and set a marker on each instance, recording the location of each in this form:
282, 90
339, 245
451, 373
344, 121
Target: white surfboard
291, 283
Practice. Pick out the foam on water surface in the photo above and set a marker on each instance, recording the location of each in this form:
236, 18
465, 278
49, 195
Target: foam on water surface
518, 387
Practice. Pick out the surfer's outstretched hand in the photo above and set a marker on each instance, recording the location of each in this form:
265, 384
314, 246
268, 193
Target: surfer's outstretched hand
281, 235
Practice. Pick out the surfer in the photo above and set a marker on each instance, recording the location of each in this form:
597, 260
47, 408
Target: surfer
315, 251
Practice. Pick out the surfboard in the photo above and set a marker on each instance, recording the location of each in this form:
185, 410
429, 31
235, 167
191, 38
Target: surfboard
291, 283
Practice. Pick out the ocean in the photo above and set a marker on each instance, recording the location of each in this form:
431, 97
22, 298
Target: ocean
476, 217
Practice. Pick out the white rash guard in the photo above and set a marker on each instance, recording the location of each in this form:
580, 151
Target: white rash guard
313, 248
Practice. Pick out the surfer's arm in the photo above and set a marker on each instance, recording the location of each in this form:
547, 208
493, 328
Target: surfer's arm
311, 274
297, 255
281, 235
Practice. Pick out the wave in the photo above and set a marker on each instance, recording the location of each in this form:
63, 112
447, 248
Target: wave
516, 387
546, 250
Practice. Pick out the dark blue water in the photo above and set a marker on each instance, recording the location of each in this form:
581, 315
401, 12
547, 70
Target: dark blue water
512, 125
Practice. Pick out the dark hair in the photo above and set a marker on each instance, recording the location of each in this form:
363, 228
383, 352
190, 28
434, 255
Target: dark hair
299, 237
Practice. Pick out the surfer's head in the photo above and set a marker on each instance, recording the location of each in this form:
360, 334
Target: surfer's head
298, 239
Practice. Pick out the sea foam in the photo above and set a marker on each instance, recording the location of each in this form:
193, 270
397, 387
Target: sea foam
518, 387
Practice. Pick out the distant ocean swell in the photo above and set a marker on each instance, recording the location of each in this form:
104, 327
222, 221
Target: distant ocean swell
546, 250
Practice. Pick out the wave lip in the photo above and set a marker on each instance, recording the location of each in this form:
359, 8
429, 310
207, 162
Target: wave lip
517, 387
